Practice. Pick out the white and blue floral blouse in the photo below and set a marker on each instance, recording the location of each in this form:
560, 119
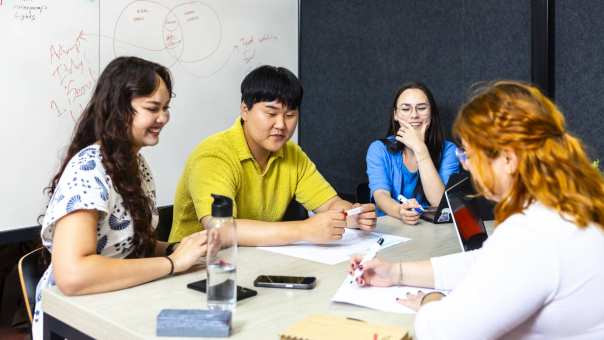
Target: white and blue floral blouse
85, 184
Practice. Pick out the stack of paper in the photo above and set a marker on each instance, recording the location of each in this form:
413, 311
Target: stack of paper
354, 242
380, 298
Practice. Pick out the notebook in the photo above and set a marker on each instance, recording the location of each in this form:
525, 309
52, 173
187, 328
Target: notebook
469, 226
334, 327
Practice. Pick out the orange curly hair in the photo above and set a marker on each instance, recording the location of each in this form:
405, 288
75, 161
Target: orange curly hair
553, 167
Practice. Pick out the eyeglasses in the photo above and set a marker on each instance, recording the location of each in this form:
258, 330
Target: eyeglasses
462, 155
420, 109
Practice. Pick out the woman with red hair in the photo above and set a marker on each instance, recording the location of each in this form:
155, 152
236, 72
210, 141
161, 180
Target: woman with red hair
540, 275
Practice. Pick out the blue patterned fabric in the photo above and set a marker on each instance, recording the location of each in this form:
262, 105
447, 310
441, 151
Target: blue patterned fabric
85, 185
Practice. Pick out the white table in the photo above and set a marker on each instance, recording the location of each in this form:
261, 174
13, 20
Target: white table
131, 313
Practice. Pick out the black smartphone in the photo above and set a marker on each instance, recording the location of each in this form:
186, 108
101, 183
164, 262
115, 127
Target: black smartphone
242, 292
279, 281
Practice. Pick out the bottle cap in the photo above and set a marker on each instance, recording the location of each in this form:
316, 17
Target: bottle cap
222, 206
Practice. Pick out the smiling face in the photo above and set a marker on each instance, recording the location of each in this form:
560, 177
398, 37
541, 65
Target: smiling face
268, 126
413, 107
151, 114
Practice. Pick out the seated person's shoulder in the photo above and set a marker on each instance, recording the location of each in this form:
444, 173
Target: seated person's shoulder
380, 145
448, 145
91, 151
533, 224
88, 160
216, 145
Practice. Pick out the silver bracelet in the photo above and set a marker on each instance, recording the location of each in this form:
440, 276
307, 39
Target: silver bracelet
400, 273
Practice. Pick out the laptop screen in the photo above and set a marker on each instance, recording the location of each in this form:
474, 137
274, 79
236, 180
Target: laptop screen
441, 214
470, 228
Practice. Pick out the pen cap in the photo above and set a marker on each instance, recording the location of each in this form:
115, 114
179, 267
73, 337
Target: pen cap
222, 206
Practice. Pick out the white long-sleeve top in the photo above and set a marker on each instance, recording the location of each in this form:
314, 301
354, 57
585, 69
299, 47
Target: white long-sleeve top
538, 276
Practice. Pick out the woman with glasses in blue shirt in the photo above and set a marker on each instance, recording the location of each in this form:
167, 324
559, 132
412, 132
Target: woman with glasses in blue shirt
414, 160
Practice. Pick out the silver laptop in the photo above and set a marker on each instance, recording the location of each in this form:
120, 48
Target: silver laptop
469, 226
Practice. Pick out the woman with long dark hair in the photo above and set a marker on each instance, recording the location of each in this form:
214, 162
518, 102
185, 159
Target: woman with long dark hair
100, 221
414, 160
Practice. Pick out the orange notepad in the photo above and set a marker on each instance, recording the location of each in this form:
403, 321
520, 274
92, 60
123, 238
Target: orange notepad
319, 327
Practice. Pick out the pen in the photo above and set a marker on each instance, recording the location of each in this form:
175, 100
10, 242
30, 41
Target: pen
404, 199
354, 211
368, 257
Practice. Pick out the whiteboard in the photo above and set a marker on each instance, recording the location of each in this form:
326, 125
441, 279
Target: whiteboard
53, 52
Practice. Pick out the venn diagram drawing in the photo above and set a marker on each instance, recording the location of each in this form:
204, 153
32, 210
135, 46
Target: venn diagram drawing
190, 35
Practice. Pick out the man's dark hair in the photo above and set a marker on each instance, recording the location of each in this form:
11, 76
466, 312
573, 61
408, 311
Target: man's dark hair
268, 83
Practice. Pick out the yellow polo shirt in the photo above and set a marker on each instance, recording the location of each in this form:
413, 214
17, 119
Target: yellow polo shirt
223, 164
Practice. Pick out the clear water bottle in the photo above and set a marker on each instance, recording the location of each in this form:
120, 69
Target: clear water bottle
222, 256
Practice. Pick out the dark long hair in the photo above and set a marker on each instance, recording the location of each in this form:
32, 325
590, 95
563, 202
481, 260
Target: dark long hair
434, 137
107, 119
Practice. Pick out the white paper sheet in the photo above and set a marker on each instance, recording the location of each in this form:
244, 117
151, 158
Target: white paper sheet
380, 298
353, 242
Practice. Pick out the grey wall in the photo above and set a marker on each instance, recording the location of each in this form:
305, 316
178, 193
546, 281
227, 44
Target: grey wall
355, 54
579, 70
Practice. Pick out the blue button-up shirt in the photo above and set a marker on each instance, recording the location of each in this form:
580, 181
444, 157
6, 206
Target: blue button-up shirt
386, 170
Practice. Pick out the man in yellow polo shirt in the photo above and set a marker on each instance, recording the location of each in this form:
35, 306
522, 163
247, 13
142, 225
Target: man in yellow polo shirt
256, 165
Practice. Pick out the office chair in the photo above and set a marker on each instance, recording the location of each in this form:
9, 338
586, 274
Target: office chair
31, 267
165, 222
295, 211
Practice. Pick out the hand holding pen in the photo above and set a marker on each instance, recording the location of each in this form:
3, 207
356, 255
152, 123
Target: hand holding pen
414, 205
361, 216
409, 210
376, 272
357, 272
324, 227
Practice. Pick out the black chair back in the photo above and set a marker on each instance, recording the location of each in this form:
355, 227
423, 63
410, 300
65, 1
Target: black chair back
362, 194
295, 211
165, 222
